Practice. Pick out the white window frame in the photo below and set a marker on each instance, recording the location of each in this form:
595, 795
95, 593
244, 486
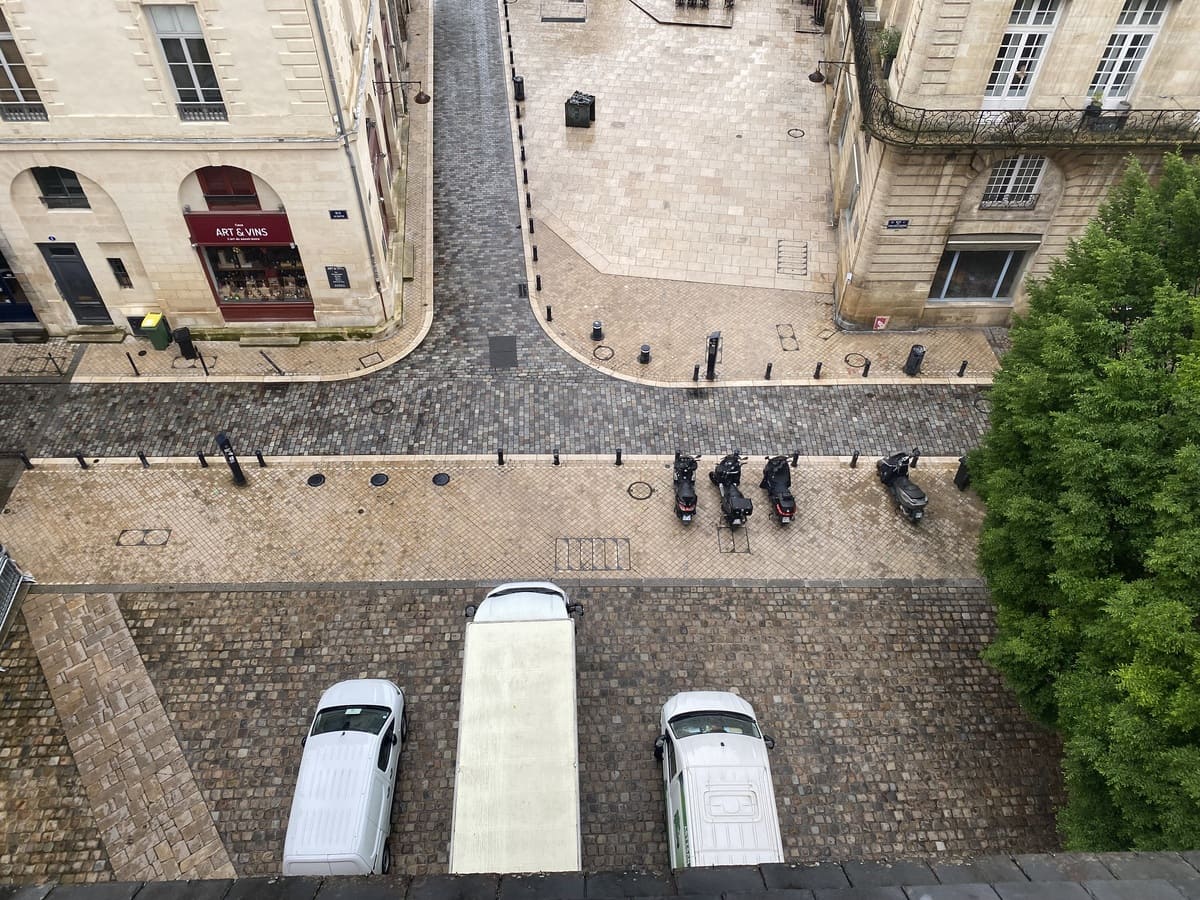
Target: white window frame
29, 95
179, 22
1031, 26
1129, 45
1014, 183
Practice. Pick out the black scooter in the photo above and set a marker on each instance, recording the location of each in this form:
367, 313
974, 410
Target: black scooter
777, 482
685, 486
893, 472
735, 507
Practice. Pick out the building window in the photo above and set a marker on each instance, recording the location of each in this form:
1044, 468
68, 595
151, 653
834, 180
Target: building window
1014, 183
228, 187
19, 100
120, 272
60, 188
976, 275
1137, 26
192, 71
1030, 26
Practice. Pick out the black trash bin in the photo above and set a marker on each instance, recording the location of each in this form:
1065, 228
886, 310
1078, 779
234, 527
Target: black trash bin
916, 356
962, 478
590, 100
183, 337
519, 88
577, 113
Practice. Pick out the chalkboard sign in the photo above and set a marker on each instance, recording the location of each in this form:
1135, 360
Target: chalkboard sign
337, 276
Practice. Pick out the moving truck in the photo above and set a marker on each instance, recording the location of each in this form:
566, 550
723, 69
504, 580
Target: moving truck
717, 782
516, 778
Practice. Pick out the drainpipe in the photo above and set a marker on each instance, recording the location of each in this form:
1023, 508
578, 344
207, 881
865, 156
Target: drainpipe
345, 138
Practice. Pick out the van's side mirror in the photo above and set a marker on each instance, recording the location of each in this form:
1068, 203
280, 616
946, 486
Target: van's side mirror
393, 737
304, 740
469, 612
659, 744
573, 608
769, 741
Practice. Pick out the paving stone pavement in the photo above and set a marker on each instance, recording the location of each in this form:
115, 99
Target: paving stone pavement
151, 817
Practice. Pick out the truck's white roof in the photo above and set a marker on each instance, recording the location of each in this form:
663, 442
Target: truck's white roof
328, 813
733, 820
516, 793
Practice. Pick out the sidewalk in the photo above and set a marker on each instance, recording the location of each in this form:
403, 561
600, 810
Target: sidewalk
697, 202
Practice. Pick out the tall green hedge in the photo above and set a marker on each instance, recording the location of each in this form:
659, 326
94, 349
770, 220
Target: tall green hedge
1091, 541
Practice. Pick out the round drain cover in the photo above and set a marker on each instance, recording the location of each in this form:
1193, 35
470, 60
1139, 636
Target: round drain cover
441, 479
316, 480
640, 490
378, 479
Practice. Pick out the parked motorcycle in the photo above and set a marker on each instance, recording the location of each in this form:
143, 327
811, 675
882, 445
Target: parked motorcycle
777, 482
893, 472
735, 506
685, 486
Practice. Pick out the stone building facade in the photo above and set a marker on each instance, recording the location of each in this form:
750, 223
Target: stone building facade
228, 163
969, 160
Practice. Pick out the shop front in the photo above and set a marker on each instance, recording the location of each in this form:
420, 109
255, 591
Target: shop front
252, 266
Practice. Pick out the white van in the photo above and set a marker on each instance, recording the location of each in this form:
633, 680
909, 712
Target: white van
717, 782
342, 809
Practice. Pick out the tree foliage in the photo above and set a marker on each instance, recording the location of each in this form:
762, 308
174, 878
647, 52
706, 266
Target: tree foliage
1091, 541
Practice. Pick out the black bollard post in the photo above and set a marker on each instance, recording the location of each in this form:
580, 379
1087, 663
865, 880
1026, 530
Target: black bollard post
677, 455
618, 456
521, 137
528, 201
203, 364
556, 456
768, 375
82, 462
696, 373
795, 458
518, 108
500, 456
132, 364
524, 176
714, 343
522, 153
866, 368
962, 370
226, 448
817, 372
203, 461
145, 462
644, 354
538, 282
25, 460
535, 252
531, 224
262, 463
854, 460
597, 330
914, 457
549, 313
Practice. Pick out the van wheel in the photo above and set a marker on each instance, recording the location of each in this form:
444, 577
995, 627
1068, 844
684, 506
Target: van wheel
404, 726
385, 863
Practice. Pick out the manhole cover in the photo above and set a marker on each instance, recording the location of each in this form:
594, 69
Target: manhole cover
441, 479
379, 407
983, 404
795, 132
641, 490
316, 480
603, 352
378, 479
854, 360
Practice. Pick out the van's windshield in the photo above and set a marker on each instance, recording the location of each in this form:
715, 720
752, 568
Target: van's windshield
370, 719
691, 724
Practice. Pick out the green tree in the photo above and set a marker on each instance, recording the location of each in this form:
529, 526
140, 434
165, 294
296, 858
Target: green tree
1091, 540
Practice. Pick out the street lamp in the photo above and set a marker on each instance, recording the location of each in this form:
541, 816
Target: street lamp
420, 98
817, 76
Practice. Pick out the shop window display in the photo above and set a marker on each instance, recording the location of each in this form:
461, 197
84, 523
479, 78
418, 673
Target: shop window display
258, 274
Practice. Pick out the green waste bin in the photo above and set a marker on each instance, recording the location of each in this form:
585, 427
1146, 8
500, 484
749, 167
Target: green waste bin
154, 326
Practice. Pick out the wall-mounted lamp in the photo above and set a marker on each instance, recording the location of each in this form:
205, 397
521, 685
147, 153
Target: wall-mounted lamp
187, 208
420, 97
817, 76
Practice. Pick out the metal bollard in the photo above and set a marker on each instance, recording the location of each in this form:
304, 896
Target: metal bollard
25, 460
132, 364
235, 467
597, 330
203, 461
915, 457
618, 456
768, 375
528, 201
145, 462
531, 224
524, 176
82, 462
522, 153
962, 370
556, 456
262, 463
644, 355
817, 372
696, 373
539, 282
854, 460
521, 136
866, 368
549, 313
535, 252
795, 458
518, 108
500, 456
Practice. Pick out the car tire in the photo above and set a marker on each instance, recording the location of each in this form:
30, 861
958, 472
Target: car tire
385, 861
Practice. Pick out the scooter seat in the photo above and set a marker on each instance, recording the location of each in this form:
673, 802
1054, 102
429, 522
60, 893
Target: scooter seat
686, 491
913, 494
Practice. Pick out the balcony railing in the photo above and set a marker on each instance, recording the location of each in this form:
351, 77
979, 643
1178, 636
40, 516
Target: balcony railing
23, 112
1009, 201
202, 112
910, 126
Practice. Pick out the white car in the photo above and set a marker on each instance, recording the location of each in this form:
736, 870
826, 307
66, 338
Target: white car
717, 782
342, 810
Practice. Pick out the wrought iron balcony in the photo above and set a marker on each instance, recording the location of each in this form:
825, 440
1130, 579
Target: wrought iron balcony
1009, 201
23, 112
202, 112
910, 126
